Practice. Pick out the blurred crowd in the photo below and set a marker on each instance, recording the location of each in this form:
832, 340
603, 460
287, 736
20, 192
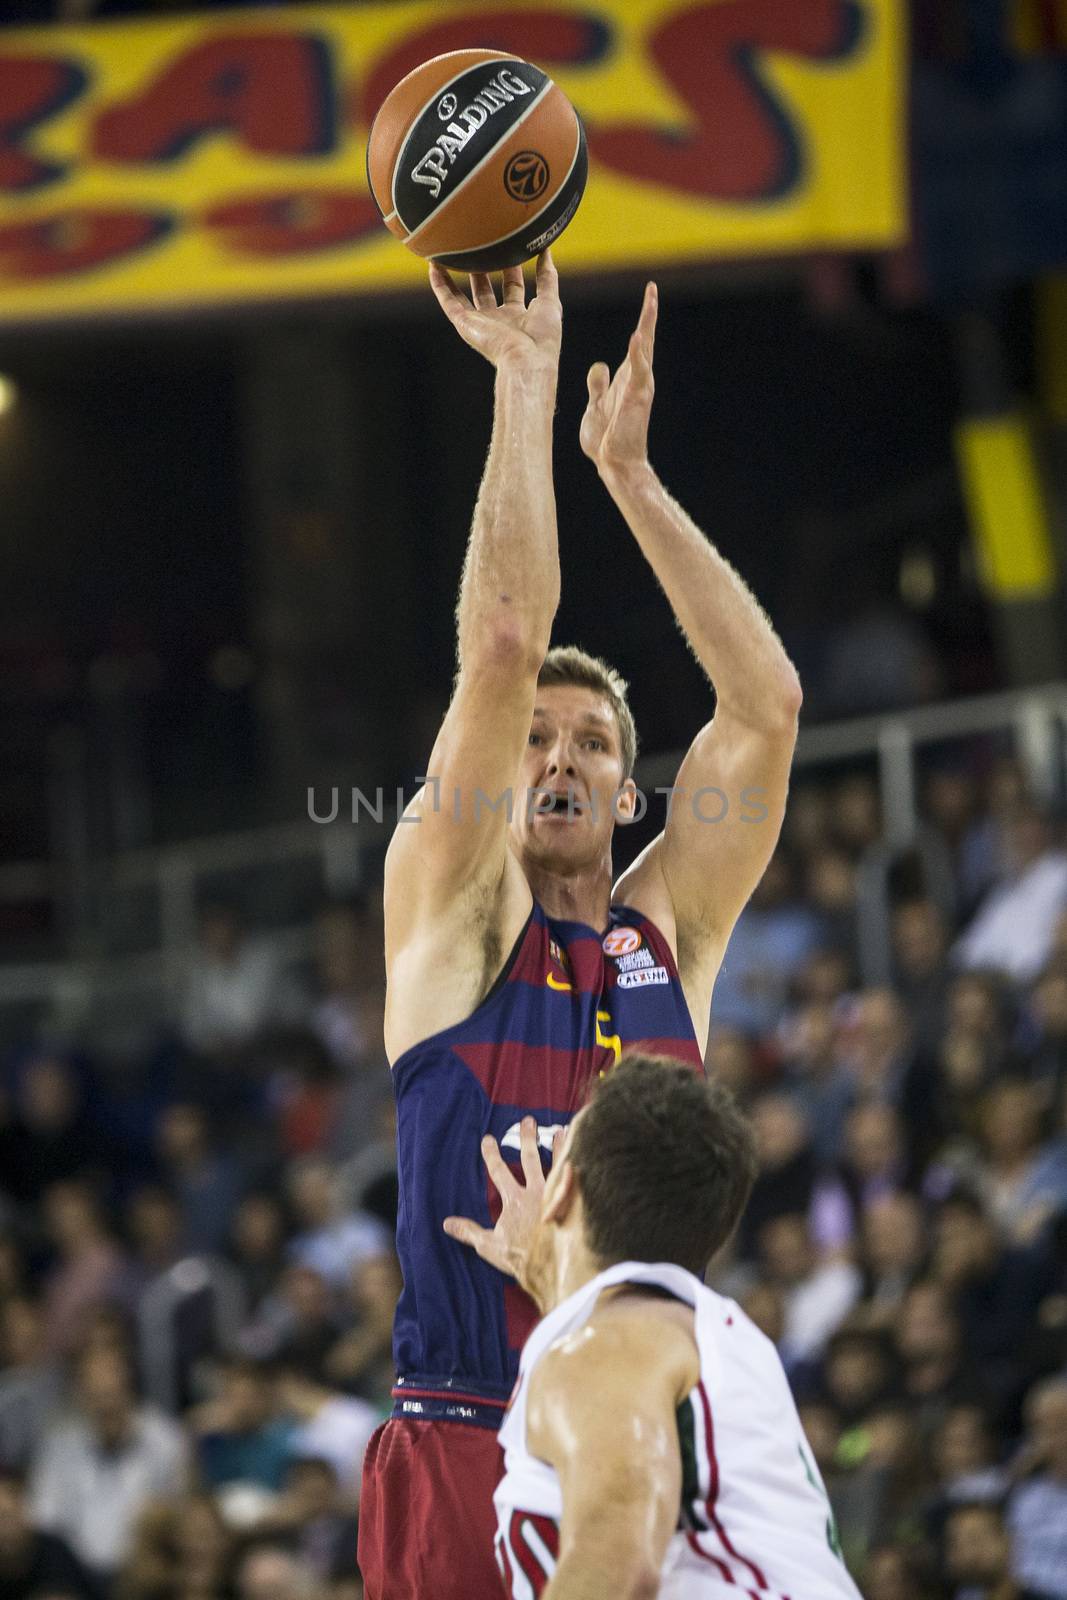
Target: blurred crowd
906, 1242
197, 1277
197, 1285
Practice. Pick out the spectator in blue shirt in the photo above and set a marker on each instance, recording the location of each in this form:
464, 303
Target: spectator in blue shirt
772, 939
241, 1437
205, 1183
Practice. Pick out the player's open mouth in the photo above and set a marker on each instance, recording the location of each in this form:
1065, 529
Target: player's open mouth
560, 806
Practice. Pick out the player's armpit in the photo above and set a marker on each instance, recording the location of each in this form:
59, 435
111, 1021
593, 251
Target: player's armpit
724, 818
602, 1412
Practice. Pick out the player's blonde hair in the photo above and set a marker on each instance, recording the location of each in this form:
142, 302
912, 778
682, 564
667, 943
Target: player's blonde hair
568, 664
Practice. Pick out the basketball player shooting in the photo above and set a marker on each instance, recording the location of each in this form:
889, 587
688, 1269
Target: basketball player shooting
652, 1446
516, 973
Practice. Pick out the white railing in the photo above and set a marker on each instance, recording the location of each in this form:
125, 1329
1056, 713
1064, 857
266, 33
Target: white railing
76, 989
1035, 719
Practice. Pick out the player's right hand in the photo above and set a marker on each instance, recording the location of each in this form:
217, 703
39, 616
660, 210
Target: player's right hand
507, 1246
513, 333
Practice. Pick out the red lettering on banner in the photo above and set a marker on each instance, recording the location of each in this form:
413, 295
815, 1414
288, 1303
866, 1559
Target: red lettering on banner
745, 145
542, 34
273, 91
32, 89
296, 224
71, 242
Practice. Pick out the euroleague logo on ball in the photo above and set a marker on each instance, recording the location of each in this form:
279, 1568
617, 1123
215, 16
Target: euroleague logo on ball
526, 175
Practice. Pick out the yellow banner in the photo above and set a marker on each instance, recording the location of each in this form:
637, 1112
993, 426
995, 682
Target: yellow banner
220, 158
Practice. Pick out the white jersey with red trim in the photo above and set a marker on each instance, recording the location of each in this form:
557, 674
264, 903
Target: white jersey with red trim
754, 1519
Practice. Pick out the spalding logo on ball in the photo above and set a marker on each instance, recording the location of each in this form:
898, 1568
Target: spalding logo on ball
477, 160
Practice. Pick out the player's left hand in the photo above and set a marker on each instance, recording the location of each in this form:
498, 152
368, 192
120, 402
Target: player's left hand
614, 430
507, 1246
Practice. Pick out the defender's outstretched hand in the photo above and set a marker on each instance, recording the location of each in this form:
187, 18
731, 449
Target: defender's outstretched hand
614, 430
513, 332
507, 1246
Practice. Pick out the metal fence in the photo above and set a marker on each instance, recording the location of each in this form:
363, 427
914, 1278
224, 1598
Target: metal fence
138, 909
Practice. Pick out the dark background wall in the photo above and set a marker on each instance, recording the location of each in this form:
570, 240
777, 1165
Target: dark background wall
141, 538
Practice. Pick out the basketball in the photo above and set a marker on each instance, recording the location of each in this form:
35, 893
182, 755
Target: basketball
477, 160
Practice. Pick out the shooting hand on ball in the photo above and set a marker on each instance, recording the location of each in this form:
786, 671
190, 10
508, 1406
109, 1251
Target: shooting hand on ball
614, 430
512, 333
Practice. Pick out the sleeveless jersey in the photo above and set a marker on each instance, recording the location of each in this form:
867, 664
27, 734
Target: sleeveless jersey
566, 1005
754, 1519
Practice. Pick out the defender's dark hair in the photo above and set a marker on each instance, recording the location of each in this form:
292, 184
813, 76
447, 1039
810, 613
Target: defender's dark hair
665, 1163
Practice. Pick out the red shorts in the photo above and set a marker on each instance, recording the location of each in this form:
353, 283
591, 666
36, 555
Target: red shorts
426, 1518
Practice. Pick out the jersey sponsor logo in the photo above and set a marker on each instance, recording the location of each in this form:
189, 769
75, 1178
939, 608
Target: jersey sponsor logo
622, 941
643, 975
636, 958
546, 1136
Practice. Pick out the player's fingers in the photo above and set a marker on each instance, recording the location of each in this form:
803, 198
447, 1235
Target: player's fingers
638, 360
531, 1161
557, 1144
547, 276
646, 325
497, 1167
450, 301
482, 292
466, 1231
598, 380
514, 286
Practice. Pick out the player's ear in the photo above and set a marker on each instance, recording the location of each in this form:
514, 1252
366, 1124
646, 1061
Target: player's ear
626, 798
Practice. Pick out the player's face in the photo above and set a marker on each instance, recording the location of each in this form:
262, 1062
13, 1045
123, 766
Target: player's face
572, 789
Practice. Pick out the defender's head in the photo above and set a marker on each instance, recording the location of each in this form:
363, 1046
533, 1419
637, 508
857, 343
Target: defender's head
657, 1167
578, 766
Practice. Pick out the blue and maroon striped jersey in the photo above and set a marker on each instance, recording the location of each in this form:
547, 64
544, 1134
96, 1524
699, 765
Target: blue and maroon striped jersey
566, 1005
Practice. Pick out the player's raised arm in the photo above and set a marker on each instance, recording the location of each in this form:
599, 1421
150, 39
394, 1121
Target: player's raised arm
457, 853
602, 1413
716, 843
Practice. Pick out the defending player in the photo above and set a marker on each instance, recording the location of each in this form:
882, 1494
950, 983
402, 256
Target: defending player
652, 1447
516, 973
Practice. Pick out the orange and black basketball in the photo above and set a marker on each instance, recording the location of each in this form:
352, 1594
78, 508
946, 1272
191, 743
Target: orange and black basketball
477, 160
